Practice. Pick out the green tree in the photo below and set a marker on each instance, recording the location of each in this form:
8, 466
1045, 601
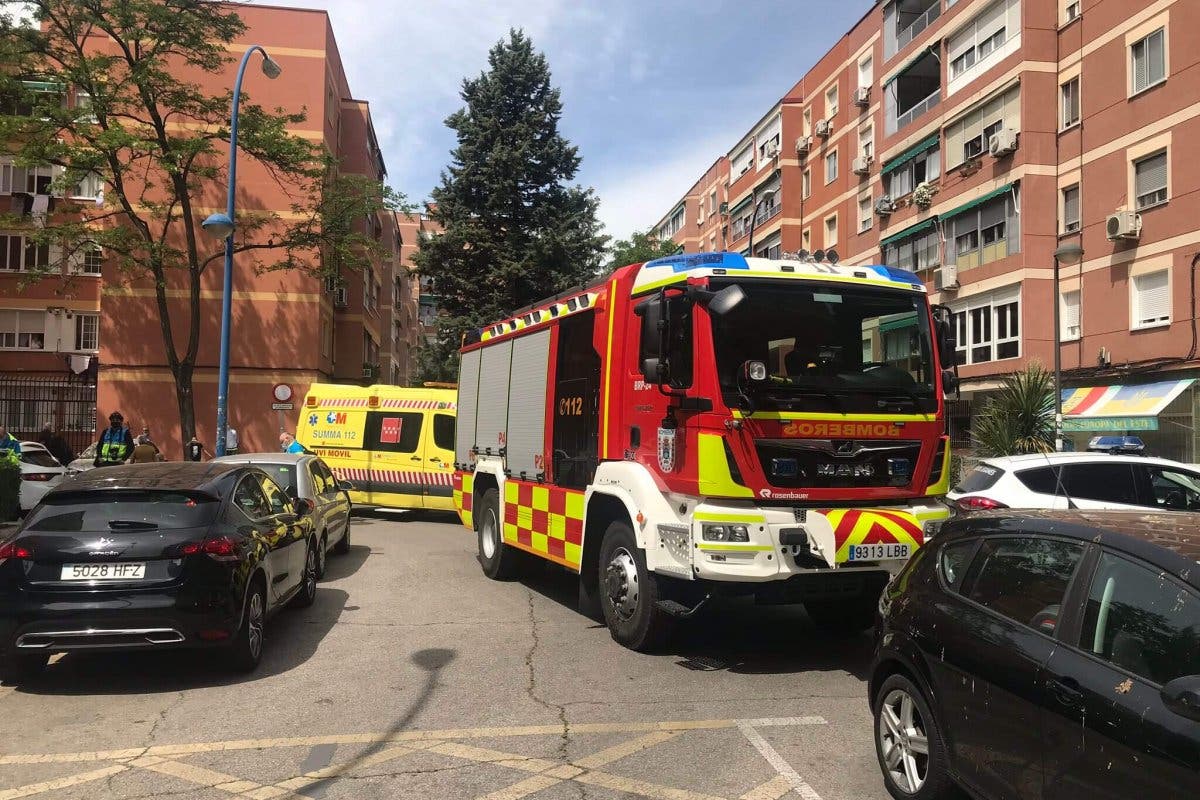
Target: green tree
639, 248
104, 92
1019, 418
513, 228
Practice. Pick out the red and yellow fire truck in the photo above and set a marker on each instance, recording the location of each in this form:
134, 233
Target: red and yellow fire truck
710, 424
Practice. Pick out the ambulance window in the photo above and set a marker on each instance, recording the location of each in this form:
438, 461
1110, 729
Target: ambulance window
393, 432
443, 431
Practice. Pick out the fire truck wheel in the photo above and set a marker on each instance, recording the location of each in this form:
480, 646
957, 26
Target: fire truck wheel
629, 593
499, 561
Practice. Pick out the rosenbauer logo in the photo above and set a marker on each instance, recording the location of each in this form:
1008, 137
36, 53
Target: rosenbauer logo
851, 430
768, 494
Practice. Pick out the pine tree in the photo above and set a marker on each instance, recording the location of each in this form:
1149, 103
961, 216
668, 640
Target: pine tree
514, 229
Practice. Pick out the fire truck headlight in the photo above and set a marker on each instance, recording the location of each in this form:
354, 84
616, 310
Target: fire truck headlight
738, 533
716, 532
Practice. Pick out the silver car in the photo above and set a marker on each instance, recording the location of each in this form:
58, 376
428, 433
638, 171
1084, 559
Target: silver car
309, 478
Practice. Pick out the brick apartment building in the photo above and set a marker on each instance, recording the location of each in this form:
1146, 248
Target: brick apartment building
966, 140
72, 351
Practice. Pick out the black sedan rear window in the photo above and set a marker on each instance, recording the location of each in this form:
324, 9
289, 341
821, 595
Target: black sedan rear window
114, 510
983, 476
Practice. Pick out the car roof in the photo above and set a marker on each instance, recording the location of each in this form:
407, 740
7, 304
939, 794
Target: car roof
1050, 459
178, 475
264, 458
1155, 536
33, 446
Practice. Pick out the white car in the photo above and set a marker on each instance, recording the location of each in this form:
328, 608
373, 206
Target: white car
40, 472
1078, 480
84, 461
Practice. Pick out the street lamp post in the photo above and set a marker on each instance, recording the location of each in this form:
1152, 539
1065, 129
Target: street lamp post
221, 226
1068, 254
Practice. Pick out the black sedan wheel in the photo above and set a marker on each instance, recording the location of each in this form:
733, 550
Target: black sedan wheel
308, 589
908, 743
248, 644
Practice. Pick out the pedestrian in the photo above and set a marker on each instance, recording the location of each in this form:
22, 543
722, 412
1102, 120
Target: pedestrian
195, 451
10, 448
145, 451
53, 441
231, 441
116, 444
288, 444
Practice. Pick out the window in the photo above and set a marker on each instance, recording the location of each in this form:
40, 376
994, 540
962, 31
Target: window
864, 213
806, 127
1148, 61
91, 259
920, 251
831, 231
976, 47
1070, 103
1070, 315
90, 186
20, 254
925, 167
1141, 621
249, 498
673, 224
866, 141
967, 137
771, 248
1150, 180
22, 330
768, 138
87, 332
443, 431
954, 561
831, 102
712, 202
831, 167
277, 500
1043, 480
1105, 481
1174, 489
866, 73
391, 432
986, 233
806, 239
1151, 300
806, 184
1070, 11
1024, 579
1070, 197
741, 163
988, 327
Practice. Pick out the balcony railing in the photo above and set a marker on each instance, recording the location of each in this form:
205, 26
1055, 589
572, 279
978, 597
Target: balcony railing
918, 110
917, 25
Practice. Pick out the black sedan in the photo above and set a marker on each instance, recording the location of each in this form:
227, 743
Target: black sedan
154, 556
1051, 655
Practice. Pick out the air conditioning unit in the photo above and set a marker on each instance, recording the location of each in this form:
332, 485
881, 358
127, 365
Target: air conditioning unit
341, 297
945, 278
1003, 143
803, 145
862, 96
824, 128
723, 209
771, 150
861, 165
1124, 225
884, 206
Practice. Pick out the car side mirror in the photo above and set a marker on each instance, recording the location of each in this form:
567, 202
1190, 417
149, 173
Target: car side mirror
949, 381
346, 486
304, 506
1182, 696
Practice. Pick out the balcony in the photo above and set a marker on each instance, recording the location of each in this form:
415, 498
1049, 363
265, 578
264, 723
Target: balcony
913, 92
913, 17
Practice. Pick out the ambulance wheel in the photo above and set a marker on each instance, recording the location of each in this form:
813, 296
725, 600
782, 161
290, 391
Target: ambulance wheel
500, 562
629, 593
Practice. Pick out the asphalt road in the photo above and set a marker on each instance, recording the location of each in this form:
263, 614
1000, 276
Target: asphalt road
415, 676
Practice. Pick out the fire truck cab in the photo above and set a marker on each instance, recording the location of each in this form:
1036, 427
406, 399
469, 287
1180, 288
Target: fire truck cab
710, 424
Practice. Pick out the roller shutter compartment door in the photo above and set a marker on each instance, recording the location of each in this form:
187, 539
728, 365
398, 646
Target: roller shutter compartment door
468, 406
491, 424
527, 406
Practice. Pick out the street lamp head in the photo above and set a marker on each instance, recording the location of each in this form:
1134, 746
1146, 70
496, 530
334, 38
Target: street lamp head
270, 67
219, 225
1070, 253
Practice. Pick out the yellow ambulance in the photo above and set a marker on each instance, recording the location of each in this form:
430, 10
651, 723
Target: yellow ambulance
394, 444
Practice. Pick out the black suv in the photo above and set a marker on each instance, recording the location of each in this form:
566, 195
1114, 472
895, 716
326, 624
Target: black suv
1043, 654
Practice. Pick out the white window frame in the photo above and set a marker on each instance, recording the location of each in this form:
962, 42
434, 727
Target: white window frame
1165, 190
979, 44
1071, 315
1069, 101
831, 101
81, 332
806, 184
866, 141
1138, 321
1144, 43
50, 250
742, 162
11, 338
866, 215
1068, 225
989, 307
831, 159
1071, 11
88, 187
866, 72
830, 231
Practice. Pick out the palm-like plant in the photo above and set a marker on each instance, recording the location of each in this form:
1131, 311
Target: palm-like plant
1019, 418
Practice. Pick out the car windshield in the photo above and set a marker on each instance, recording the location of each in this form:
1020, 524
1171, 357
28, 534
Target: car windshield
39, 458
828, 348
107, 509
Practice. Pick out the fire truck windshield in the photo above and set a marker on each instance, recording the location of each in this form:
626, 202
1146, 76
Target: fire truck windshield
827, 347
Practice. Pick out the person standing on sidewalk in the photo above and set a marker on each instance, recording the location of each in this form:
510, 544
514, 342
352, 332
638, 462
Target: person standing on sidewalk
53, 441
145, 451
195, 451
232, 441
116, 444
10, 448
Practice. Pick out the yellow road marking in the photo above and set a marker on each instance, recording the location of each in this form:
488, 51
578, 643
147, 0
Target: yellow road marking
61, 783
523, 788
773, 789
619, 751
620, 783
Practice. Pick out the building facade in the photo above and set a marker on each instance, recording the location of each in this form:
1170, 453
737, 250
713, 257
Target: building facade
73, 350
966, 140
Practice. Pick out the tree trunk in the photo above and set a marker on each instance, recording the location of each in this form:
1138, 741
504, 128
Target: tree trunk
186, 401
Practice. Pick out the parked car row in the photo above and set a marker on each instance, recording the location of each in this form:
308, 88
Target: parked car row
167, 555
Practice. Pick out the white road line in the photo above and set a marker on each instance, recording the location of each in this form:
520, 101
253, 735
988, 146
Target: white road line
777, 761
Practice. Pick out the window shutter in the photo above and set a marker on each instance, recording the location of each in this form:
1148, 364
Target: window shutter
992, 213
961, 43
1140, 66
1156, 63
1070, 314
989, 22
1151, 174
1071, 206
1153, 298
955, 136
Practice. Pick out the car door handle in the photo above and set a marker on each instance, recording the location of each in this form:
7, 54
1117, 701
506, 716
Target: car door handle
436, 460
415, 458
1066, 691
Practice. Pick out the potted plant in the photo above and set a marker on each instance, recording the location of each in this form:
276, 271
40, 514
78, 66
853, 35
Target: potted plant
923, 195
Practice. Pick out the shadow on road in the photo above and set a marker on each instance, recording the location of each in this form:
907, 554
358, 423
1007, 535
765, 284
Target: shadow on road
343, 566
369, 515
292, 637
734, 634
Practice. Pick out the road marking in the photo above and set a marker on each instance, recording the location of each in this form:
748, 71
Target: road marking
318, 758
777, 761
624, 749
620, 783
773, 789
523, 788
61, 783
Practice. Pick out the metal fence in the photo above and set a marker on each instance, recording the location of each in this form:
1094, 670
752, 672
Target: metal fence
30, 400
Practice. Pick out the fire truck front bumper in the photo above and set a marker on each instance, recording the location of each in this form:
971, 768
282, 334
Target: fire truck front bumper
734, 542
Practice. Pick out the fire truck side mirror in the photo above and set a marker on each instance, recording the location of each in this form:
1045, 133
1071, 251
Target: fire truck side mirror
949, 382
650, 350
654, 370
946, 341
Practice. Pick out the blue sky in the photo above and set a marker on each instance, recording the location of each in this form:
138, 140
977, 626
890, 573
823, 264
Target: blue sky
653, 92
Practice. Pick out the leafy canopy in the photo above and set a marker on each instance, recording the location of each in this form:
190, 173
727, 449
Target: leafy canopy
639, 248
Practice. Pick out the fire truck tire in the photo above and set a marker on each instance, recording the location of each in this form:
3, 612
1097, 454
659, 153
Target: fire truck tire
844, 616
629, 593
499, 561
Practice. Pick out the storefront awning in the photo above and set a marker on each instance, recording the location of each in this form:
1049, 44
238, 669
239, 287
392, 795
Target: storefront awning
1119, 408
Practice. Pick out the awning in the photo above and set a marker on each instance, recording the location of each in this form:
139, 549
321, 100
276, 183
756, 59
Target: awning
1119, 408
899, 322
978, 201
909, 231
909, 154
745, 202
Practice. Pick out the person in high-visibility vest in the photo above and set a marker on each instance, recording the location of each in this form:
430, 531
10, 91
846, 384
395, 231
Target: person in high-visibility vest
116, 444
10, 447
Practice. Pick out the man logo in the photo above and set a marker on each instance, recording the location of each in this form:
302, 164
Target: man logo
312, 420
335, 418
